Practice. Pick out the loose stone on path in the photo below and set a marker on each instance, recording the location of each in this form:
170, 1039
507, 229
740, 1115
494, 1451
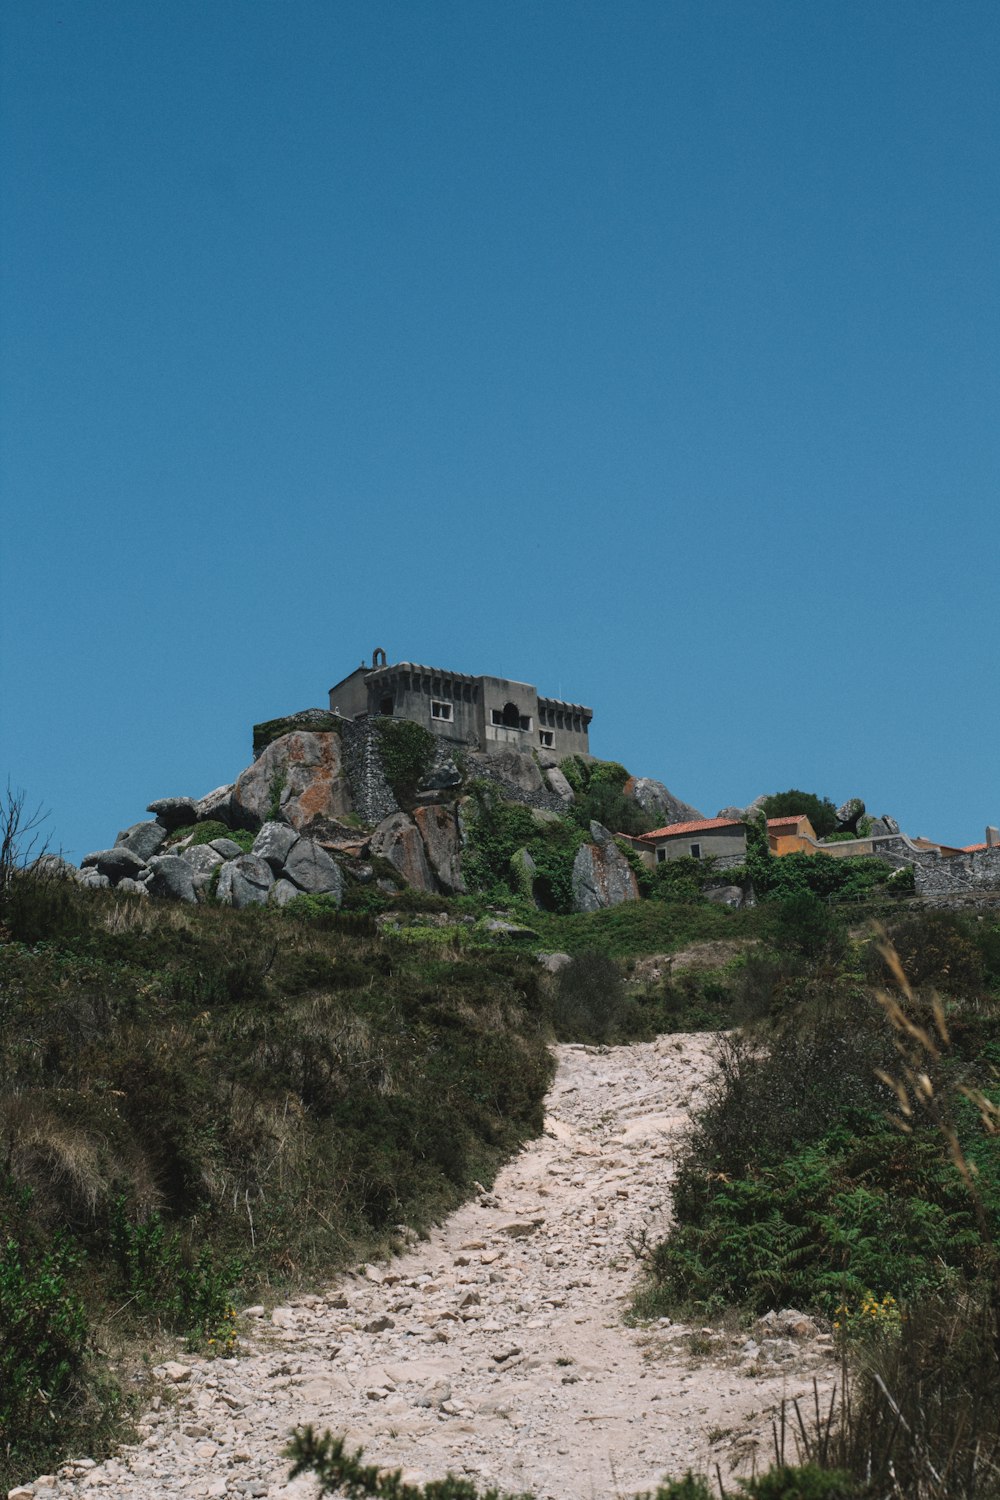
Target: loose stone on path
495, 1349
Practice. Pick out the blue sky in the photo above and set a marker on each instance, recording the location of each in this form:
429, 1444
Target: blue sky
644, 351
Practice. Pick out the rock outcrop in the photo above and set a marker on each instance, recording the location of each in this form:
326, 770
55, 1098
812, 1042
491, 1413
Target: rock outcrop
300, 777
602, 876
442, 840
398, 840
661, 804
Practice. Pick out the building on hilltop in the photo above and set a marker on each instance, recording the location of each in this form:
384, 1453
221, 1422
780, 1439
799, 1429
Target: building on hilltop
486, 713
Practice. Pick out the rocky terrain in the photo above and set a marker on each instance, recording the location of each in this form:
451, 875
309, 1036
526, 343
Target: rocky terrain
496, 1349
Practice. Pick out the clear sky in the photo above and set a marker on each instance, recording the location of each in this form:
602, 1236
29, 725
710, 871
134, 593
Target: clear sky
644, 351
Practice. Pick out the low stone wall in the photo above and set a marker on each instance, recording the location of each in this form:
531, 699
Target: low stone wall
371, 794
959, 873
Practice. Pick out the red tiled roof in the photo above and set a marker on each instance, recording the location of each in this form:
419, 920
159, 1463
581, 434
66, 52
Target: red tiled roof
698, 827
785, 822
973, 848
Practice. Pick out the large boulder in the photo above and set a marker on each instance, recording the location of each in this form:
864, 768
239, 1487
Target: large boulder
654, 799
849, 814
216, 806
313, 870
93, 879
602, 876
54, 867
298, 778
172, 877
398, 840
129, 887
745, 814
557, 783
244, 882
438, 827
174, 812
116, 863
204, 861
274, 843
514, 766
144, 839
281, 892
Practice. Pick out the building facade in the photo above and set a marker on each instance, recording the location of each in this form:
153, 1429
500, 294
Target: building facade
483, 713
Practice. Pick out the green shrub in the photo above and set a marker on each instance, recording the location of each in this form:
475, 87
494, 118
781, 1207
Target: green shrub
407, 754
935, 948
207, 832
187, 1290
589, 999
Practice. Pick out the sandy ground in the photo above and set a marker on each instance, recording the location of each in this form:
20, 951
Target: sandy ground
497, 1348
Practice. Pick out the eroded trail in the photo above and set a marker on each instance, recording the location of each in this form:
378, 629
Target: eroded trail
496, 1348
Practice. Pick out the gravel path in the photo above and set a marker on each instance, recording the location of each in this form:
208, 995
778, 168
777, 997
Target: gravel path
496, 1348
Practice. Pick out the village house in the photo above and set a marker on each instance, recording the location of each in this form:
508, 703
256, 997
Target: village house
482, 713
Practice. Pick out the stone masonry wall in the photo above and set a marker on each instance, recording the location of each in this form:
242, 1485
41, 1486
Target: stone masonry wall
959, 873
371, 793
545, 801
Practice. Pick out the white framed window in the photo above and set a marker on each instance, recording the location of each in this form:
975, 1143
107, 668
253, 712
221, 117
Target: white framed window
441, 710
546, 738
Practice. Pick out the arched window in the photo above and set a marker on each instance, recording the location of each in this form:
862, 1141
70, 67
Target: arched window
511, 716
385, 707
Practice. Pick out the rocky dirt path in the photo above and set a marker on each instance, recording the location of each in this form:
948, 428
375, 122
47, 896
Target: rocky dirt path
496, 1348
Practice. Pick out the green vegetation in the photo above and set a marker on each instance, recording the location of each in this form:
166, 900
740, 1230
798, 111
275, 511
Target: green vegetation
600, 797
196, 1100
407, 753
820, 811
847, 1162
205, 833
500, 833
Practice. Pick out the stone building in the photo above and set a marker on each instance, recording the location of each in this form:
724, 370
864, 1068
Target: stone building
483, 713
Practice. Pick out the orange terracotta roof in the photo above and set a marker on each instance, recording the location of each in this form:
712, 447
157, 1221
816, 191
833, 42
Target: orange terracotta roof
973, 848
701, 826
785, 822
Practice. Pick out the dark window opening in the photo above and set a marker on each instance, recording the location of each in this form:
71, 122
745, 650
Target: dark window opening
511, 717
661, 856
385, 707
546, 737
440, 710
696, 851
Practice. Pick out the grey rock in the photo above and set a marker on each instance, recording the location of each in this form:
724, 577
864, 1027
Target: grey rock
744, 814
118, 862
885, 825
204, 861
441, 776
661, 804
439, 829
174, 812
129, 887
509, 931
602, 877
398, 840
363, 874
282, 891
216, 806
228, 848
557, 783
93, 879
553, 962
144, 839
172, 878
599, 834
313, 870
274, 843
724, 895
848, 815
54, 867
245, 881
514, 766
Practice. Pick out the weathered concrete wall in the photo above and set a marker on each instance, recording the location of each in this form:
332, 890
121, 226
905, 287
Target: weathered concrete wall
727, 844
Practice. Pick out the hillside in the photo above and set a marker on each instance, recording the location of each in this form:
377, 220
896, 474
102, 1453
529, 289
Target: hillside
205, 1106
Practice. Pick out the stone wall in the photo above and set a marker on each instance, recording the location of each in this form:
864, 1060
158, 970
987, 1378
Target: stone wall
959, 873
373, 797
